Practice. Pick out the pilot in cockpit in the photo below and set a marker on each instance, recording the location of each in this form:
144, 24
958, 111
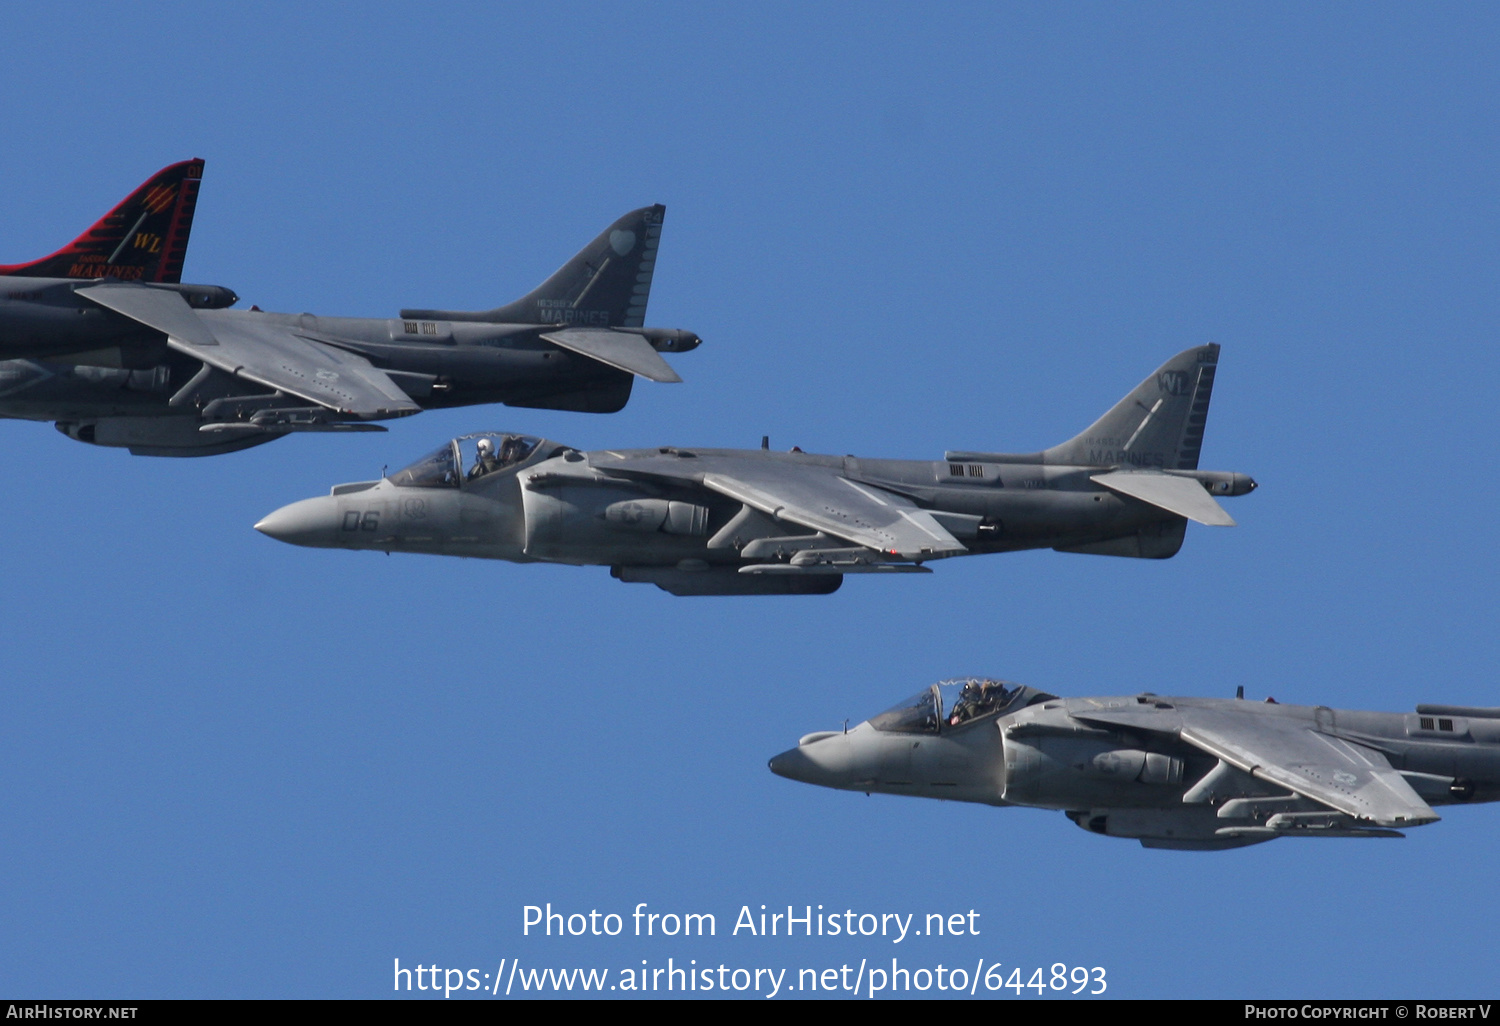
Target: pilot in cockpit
484, 460
977, 698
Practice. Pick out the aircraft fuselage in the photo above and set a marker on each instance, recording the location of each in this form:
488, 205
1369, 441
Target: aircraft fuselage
107, 380
1130, 767
561, 509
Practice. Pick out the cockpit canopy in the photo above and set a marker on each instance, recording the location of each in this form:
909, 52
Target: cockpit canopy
949, 704
471, 457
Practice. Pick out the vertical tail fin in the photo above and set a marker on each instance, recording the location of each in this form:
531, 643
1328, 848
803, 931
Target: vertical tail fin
1158, 426
605, 286
143, 239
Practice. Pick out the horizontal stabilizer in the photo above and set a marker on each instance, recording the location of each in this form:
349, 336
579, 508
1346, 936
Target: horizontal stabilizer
623, 350
1181, 495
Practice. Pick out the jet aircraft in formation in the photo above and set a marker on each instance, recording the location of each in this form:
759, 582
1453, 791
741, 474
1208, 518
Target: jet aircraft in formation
1197, 774
103, 338
755, 522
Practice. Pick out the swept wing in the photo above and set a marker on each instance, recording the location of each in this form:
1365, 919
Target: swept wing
1347, 777
811, 496
266, 354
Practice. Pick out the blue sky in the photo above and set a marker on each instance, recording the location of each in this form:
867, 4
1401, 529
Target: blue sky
238, 768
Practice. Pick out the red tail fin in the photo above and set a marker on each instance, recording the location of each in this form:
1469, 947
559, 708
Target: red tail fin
143, 239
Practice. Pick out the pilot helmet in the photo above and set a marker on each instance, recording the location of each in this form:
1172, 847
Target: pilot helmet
485, 445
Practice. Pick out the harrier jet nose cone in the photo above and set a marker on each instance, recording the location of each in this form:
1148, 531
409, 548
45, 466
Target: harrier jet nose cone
309, 522
825, 765
791, 764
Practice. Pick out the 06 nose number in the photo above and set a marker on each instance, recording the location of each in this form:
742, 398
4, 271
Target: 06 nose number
354, 520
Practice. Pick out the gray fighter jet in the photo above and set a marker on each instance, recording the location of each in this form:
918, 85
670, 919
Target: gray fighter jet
1197, 774
755, 522
104, 339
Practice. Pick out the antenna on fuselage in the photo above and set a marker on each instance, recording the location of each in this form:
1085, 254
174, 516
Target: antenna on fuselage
765, 441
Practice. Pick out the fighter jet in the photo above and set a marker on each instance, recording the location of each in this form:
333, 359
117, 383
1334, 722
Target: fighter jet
1194, 774
756, 522
102, 338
